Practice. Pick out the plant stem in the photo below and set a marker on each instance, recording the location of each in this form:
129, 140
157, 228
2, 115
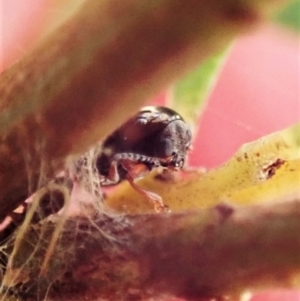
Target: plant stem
202, 254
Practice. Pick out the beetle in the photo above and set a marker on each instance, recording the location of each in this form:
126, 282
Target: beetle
156, 136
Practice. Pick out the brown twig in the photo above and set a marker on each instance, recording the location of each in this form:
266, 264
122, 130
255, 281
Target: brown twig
201, 254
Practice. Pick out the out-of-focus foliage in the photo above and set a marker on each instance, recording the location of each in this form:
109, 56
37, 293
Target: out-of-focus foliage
190, 94
290, 15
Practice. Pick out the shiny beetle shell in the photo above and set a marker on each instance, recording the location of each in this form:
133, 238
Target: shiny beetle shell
155, 136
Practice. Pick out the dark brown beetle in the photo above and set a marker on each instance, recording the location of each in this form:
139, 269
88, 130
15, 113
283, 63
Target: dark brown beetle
155, 136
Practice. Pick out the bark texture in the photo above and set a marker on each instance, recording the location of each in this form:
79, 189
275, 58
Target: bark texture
202, 254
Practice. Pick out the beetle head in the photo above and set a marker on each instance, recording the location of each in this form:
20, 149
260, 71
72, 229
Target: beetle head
173, 143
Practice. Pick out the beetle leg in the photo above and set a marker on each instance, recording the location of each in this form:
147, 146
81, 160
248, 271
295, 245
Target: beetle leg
134, 170
159, 206
113, 175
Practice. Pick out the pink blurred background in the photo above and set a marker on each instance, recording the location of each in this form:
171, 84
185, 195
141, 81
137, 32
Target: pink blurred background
257, 93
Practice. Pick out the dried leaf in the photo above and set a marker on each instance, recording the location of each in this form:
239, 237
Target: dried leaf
261, 171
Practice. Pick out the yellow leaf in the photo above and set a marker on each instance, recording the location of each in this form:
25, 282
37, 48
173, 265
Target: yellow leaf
265, 170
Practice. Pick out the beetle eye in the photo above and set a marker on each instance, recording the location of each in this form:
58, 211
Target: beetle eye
164, 148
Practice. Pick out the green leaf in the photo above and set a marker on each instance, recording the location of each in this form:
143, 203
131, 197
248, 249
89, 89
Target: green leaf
290, 16
189, 95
